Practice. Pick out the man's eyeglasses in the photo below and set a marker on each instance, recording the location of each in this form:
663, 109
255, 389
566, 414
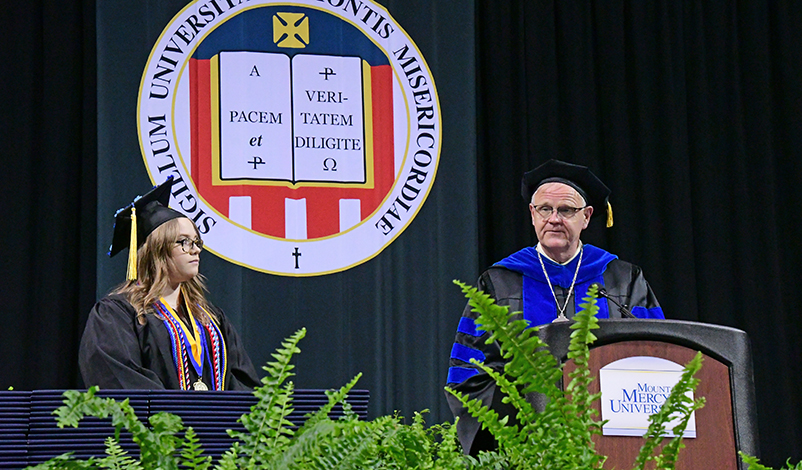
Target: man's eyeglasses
188, 243
564, 212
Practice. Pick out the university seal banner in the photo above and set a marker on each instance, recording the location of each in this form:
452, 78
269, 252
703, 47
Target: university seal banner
303, 137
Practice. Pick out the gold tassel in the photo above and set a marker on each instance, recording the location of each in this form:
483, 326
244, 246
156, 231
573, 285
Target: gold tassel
609, 215
132, 248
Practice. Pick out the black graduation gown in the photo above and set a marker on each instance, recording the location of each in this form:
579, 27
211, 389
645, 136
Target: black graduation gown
117, 352
622, 280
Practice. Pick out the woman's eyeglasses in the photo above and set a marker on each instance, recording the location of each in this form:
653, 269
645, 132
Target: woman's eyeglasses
188, 243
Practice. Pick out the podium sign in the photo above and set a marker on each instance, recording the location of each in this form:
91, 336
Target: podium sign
635, 388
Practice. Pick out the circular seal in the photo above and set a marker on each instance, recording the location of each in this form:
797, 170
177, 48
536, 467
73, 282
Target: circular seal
303, 137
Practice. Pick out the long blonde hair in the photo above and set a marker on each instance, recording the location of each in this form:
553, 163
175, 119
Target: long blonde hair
154, 261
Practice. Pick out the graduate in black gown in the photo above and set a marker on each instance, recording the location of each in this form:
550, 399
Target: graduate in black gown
157, 330
545, 283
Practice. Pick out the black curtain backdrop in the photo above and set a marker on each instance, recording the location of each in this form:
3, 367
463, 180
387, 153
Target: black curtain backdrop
688, 111
48, 137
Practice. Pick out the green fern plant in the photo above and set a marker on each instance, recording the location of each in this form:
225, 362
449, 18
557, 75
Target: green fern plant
754, 463
560, 437
557, 438
269, 440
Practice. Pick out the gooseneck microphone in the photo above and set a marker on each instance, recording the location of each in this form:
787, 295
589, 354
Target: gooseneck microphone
621, 308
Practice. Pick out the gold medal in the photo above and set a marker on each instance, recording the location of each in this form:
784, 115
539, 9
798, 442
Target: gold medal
199, 385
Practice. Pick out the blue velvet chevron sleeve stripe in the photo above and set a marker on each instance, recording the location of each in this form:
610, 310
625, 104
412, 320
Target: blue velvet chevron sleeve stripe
643, 312
468, 326
465, 347
458, 375
465, 354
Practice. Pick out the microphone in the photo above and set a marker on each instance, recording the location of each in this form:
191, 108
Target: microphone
621, 308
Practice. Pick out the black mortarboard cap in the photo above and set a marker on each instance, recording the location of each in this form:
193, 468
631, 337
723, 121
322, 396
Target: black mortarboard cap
149, 211
588, 185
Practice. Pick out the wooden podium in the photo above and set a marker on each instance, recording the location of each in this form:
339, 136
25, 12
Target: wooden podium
728, 421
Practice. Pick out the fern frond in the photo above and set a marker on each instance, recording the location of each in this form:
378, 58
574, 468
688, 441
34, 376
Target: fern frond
64, 462
489, 418
228, 461
582, 415
354, 447
753, 462
529, 361
268, 430
304, 446
447, 451
162, 441
401, 446
117, 458
678, 404
334, 397
526, 413
489, 461
157, 445
192, 452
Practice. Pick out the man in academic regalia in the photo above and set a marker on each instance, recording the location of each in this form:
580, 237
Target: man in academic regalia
545, 282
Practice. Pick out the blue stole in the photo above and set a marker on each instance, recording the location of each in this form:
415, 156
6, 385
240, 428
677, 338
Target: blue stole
538, 300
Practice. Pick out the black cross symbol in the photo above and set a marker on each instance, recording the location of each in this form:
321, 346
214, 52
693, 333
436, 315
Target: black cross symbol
296, 254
